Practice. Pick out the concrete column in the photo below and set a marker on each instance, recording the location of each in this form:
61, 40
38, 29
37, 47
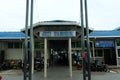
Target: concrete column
117, 59
70, 56
22, 51
45, 57
33, 56
93, 50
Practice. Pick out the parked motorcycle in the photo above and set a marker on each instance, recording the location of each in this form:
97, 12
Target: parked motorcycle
38, 64
100, 66
95, 66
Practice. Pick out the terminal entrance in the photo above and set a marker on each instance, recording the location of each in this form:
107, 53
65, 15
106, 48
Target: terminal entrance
110, 56
58, 52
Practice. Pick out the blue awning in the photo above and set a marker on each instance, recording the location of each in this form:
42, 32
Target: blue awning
12, 35
105, 33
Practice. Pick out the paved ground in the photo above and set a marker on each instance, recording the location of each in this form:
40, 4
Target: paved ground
60, 73
116, 70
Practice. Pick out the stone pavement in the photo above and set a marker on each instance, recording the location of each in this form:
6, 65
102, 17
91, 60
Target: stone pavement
60, 73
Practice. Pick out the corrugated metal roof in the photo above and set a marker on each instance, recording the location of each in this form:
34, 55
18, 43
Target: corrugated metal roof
12, 35
105, 33
54, 22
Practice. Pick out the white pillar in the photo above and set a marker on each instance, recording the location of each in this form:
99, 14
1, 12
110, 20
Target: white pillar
22, 51
116, 48
93, 50
70, 57
33, 56
45, 57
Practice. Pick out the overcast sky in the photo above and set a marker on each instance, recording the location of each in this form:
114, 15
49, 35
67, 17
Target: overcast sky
102, 14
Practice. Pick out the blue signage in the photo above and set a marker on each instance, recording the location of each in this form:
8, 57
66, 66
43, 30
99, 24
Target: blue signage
103, 43
57, 33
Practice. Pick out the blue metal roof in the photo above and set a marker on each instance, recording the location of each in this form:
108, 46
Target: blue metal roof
94, 34
12, 35
105, 33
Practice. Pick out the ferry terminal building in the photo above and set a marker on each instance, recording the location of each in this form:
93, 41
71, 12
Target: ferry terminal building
58, 40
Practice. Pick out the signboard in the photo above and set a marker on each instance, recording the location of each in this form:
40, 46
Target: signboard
105, 43
57, 33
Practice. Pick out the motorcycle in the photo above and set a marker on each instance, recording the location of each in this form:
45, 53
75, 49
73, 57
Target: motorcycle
38, 64
95, 66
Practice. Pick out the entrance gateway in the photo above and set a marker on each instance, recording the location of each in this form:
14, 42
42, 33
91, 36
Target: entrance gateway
53, 41
59, 50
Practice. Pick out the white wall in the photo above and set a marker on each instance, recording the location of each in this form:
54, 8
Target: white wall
14, 54
119, 62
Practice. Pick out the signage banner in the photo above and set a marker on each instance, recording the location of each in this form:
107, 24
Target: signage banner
57, 33
104, 43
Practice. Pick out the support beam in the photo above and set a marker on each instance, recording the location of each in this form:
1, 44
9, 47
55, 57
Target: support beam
45, 57
70, 57
26, 42
31, 41
86, 59
28, 53
88, 41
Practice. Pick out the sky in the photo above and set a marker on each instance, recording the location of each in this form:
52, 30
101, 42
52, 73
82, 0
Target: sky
102, 14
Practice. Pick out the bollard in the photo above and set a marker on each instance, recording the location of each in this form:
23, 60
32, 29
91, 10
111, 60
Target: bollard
0, 77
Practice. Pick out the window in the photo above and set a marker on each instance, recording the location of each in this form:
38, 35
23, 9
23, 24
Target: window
10, 45
76, 44
73, 44
118, 52
118, 42
39, 45
14, 45
98, 53
17, 45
